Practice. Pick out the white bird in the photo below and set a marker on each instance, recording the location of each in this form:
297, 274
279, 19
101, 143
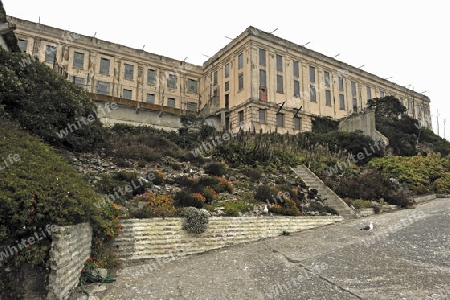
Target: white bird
265, 210
368, 227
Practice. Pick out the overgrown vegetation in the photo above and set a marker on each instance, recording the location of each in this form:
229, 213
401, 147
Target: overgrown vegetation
39, 189
44, 103
404, 133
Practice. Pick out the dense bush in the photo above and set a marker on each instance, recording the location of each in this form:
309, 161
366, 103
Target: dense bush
233, 208
186, 199
38, 190
420, 173
114, 186
322, 209
155, 206
371, 185
216, 169
196, 220
44, 104
287, 208
324, 124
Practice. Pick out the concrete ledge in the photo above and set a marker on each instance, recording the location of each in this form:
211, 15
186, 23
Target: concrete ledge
421, 199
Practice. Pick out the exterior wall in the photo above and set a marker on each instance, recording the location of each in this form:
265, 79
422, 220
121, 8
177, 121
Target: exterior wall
251, 40
71, 247
158, 237
211, 94
364, 122
67, 43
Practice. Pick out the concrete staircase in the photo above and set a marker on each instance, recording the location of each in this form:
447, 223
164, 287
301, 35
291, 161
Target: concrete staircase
332, 199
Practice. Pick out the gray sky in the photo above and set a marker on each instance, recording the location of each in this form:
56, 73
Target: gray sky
405, 40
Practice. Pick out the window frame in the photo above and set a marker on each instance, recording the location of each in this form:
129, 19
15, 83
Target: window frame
102, 62
76, 62
128, 71
280, 88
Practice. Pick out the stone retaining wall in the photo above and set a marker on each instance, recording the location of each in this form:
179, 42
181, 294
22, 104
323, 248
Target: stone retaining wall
71, 246
158, 237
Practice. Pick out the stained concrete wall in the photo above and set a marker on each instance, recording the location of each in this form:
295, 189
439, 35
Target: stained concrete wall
159, 238
364, 122
71, 247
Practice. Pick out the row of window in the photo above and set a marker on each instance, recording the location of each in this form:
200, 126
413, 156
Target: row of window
105, 66
279, 116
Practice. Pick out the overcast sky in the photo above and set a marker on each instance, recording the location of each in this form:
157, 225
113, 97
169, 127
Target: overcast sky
404, 40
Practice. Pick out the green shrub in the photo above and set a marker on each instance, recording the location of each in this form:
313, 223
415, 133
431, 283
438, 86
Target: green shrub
254, 174
45, 104
233, 208
265, 193
40, 189
322, 209
196, 220
217, 169
359, 204
287, 208
186, 199
156, 206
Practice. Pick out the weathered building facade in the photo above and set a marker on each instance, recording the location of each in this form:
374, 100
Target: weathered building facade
258, 81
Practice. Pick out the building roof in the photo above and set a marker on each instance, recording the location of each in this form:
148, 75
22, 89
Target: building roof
9, 36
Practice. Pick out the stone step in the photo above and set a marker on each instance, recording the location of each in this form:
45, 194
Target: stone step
332, 199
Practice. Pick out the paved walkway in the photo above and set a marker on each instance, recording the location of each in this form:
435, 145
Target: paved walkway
406, 256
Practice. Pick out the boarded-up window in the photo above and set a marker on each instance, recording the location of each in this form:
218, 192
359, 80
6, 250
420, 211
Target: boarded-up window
279, 63
50, 53
151, 76
192, 86
241, 117
171, 102
369, 93
328, 98
227, 70
192, 106
296, 88
103, 87
341, 83
150, 98
129, 71
326, 77
353, 84
215, 78
240, 61
78, 60
104, 66
262, 78
312, 93
23, 45
297, 123
341, 102
280, 120
312, 74
279, 84
241, 81
262, 115
126, 94
79, 81
296, 70
172, 81
262, 57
